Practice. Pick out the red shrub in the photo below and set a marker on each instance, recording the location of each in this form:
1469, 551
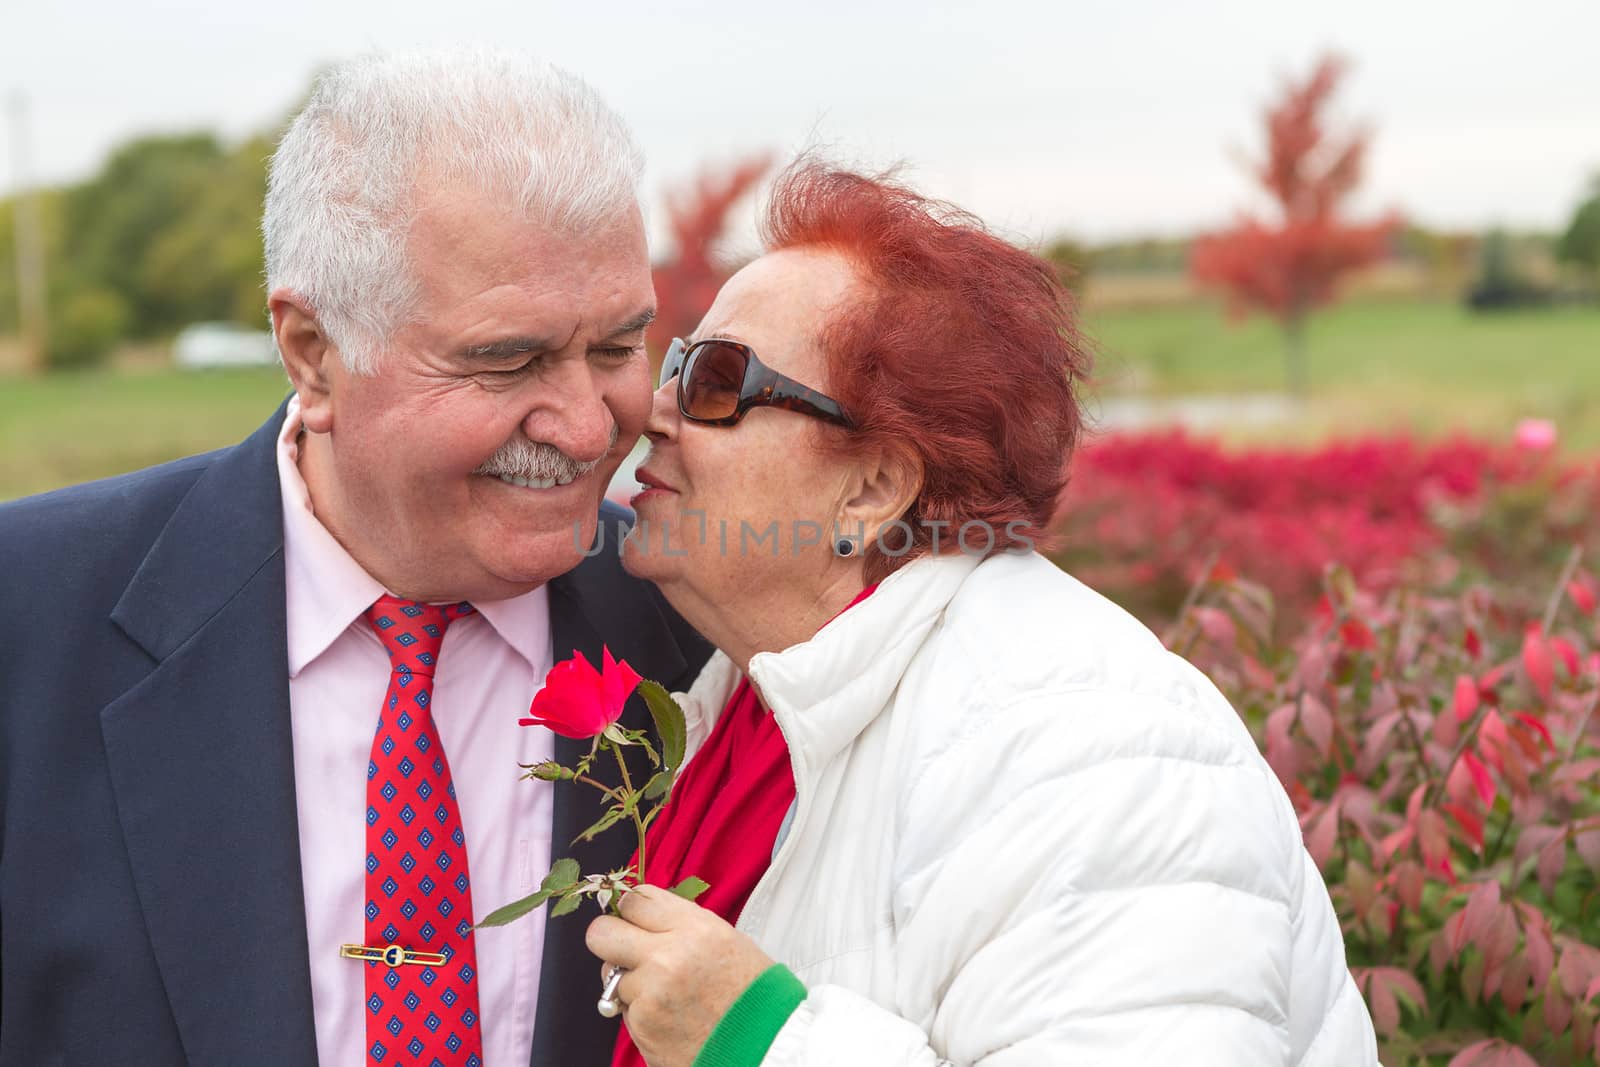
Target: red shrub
1443, 753
1413, 636
1144, 515
687, 283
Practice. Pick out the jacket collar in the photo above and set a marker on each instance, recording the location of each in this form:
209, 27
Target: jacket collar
826, 690
227, 529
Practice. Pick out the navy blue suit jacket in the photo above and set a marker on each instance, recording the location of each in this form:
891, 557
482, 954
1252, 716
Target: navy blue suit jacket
150, 895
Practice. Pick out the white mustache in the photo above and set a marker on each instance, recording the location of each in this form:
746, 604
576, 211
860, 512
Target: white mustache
522, 458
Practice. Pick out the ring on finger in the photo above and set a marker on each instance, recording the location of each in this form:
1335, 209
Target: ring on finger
608, 1004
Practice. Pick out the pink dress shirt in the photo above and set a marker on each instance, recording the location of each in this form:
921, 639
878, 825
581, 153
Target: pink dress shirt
490, 666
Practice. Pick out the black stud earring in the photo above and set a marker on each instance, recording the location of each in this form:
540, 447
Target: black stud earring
844, 547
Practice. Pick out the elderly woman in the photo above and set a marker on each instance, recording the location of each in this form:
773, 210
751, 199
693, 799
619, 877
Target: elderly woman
954, 807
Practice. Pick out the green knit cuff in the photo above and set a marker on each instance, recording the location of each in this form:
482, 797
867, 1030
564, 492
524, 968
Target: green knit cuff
743, 1035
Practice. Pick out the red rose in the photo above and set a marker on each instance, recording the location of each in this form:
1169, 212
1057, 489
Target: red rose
578, 701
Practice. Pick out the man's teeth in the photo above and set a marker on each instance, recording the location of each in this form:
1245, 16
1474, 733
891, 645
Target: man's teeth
535, 483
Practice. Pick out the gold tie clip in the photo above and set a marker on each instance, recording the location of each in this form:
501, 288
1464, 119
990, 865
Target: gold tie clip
393, 955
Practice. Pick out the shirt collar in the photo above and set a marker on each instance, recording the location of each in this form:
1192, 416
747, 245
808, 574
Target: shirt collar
523, 622
327, 589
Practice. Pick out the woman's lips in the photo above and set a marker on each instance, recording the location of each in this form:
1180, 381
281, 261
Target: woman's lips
650, 481
653, 487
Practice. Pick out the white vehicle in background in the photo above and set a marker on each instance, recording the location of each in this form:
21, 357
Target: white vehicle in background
223, 344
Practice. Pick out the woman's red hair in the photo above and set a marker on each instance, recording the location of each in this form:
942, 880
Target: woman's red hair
964, 353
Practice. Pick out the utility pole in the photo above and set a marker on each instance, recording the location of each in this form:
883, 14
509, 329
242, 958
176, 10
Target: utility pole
33, 312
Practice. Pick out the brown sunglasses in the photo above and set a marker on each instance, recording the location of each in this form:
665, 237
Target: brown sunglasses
718, 381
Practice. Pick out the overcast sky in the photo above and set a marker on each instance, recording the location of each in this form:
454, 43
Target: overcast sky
1102, 119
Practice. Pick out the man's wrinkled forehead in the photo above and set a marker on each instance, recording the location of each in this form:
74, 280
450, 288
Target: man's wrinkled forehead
452, 198
461, 238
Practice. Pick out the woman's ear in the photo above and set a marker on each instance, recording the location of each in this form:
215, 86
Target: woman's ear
882, 488
308, 357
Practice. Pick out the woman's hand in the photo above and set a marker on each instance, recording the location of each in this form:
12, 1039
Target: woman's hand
686, 966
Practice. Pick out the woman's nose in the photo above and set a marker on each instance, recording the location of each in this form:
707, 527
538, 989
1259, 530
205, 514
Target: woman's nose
663, 418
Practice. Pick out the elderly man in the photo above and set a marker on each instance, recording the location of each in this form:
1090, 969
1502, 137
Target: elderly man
258, 708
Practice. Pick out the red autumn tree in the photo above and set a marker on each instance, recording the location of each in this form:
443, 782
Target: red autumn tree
1289, 262
687, 283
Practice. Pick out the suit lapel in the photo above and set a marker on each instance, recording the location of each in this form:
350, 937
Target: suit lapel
202, 762
595, 604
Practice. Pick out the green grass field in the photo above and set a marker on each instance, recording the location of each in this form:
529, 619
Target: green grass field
69, 428
1374, 366
1431, 368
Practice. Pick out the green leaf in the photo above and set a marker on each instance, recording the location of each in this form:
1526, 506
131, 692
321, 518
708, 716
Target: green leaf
564, 874
670, 726
548, 771
605, 822
567, 904
658, 785
690, 888
516, 910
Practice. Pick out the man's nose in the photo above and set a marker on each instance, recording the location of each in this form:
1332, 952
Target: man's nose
570, 412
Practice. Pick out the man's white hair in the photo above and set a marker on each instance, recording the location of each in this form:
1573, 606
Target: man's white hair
343, 183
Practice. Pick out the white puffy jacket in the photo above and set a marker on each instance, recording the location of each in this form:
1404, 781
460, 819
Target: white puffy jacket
1027, 834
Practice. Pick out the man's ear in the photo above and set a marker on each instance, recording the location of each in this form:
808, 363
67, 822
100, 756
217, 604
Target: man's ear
308, 356
882, 488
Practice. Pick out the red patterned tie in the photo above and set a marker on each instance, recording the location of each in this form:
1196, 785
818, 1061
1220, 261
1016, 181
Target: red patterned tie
419, 898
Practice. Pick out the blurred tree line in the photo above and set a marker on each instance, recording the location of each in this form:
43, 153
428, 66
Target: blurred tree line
167, 233
1580, 245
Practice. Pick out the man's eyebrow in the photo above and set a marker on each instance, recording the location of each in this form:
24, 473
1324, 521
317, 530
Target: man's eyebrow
505, 348
635, 324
